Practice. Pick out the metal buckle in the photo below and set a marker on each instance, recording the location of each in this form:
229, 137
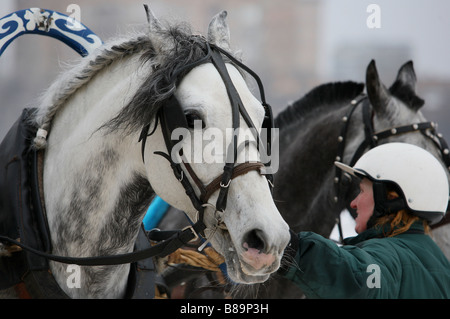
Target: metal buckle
225, 186
193, 232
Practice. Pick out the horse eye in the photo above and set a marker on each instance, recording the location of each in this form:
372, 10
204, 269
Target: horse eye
192, 117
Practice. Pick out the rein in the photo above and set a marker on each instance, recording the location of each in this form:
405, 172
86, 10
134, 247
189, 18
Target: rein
372, 138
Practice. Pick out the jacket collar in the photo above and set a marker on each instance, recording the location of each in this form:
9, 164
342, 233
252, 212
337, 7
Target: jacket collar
379, 231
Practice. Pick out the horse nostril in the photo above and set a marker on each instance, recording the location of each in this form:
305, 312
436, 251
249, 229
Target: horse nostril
255, 239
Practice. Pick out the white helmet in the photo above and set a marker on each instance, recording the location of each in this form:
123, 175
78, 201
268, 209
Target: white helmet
416, 172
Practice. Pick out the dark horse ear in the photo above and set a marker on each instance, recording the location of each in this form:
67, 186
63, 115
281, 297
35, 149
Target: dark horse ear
404, 87
378, 94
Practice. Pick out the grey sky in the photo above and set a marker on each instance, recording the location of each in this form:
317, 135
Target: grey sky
423, 25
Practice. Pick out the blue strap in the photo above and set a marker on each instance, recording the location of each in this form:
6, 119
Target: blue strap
155, 213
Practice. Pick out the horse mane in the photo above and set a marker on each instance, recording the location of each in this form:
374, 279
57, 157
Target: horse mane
406, 94
325, 95
161, 83
70, 81
156, 88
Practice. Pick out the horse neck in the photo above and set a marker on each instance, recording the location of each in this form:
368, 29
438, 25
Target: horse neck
96, 192
308, 150
312, 140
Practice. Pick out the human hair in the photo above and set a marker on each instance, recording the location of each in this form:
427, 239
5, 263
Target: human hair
399, 222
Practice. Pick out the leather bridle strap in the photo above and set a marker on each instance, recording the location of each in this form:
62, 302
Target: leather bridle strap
342, 139
239, 170
268, 122
236, 107
180, 238
372, 138
216, 184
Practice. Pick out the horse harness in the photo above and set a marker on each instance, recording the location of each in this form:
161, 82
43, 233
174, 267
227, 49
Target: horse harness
25, 229
371, 139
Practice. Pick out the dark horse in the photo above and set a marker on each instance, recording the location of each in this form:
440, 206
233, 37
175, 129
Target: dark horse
308, 191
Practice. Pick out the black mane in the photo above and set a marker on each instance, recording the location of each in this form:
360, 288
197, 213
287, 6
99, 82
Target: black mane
160, 83
406, 94
328, 94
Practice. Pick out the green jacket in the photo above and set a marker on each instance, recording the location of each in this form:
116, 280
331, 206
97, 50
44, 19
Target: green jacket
409, 265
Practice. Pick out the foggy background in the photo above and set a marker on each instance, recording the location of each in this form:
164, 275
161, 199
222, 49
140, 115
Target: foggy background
293, 45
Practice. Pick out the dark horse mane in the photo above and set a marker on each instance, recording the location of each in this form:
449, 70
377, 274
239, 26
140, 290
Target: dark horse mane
325, 95
158, 85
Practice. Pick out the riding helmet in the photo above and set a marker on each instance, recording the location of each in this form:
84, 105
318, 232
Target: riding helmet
418, 176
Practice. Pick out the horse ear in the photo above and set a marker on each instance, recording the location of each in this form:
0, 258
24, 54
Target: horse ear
153, 22
378, 94
404, 87
407, 76
218, 31
155, 27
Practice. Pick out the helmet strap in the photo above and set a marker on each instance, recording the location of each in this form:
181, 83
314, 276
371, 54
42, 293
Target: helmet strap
383, 205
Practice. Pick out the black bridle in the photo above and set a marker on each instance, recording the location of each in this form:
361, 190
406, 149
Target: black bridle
371, 139
171, 116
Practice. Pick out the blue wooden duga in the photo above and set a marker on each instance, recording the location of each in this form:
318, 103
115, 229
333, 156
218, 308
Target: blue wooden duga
48, 23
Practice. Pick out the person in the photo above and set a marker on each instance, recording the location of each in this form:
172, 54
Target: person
403, 190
